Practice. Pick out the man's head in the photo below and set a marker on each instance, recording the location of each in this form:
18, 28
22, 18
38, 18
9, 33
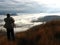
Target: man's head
8, 15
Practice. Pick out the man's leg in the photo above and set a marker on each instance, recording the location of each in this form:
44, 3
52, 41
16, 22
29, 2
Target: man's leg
12, 34
8, 34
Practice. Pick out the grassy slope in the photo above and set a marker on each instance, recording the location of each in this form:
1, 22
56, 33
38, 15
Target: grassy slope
44, 34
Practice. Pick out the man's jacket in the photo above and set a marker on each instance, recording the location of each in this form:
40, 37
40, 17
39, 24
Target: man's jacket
9, 22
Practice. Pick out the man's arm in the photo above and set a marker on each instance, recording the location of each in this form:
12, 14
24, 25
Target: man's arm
12, 19
5, 19
13, 22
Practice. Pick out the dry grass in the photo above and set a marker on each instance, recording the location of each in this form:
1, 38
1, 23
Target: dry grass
44, 34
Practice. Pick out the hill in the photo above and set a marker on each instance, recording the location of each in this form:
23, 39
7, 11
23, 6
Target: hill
47, 18
4, 12
44, 34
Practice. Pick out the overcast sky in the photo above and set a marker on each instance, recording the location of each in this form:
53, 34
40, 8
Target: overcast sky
31, 6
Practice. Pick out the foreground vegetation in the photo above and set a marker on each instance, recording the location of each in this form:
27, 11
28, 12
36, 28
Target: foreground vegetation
44, 34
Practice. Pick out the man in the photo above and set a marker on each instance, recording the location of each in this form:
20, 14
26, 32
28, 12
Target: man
9, 25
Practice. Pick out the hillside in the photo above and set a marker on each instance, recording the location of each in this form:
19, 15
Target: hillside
44, 34
47, 18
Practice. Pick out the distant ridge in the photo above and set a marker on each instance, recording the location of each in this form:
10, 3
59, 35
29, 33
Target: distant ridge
47, 18
10, 12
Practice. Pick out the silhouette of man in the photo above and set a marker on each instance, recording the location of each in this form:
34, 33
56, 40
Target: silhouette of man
9, 25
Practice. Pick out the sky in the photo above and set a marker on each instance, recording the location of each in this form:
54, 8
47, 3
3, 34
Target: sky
30, 6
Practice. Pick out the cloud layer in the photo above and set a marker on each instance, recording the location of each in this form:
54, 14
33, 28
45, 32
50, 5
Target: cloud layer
25, 6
